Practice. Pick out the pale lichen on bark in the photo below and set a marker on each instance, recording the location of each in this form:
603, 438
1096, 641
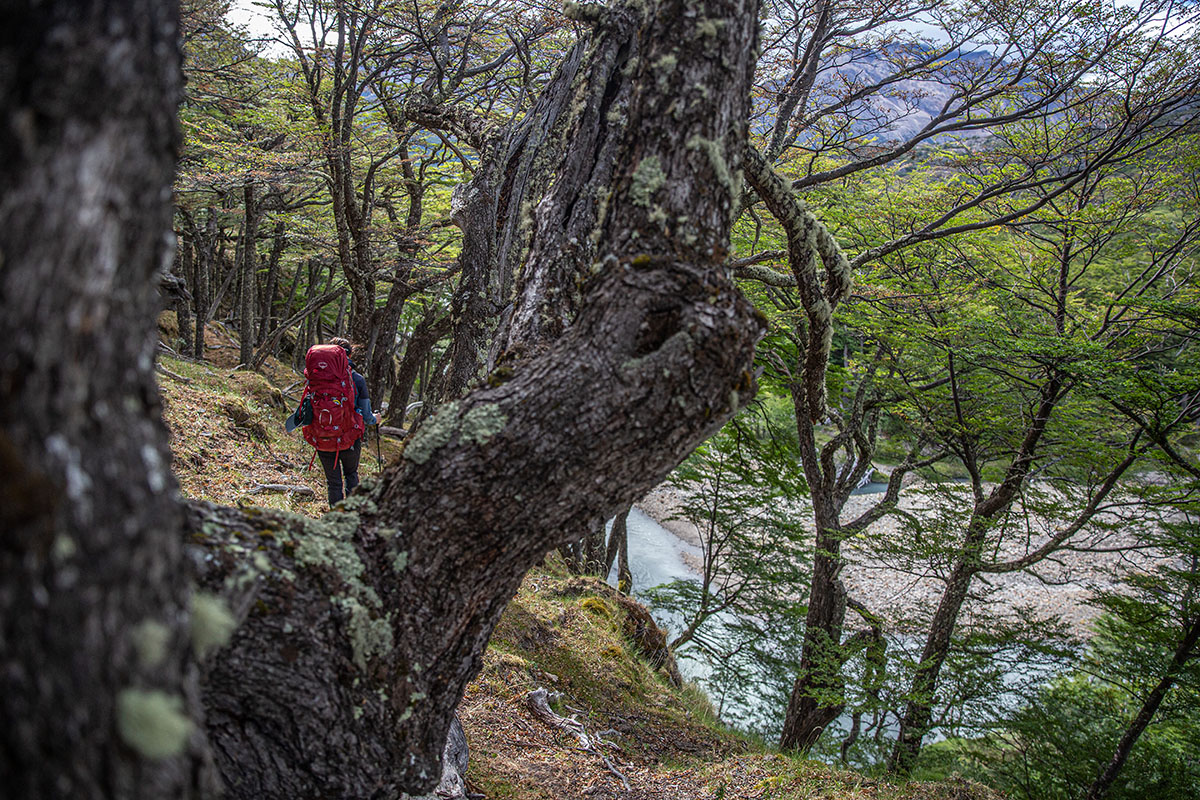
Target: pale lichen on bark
648, 178
213, 623
370, 636
151, 639
153, 722
482, 422
437, 431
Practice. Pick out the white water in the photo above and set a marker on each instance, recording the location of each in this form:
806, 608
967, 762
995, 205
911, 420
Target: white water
655, 558
655, 554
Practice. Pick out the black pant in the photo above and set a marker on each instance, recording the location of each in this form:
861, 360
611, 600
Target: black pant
347, 462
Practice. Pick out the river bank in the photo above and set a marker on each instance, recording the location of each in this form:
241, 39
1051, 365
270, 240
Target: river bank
1060, 588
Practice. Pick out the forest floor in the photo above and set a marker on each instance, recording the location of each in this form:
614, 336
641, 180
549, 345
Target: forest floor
568, 635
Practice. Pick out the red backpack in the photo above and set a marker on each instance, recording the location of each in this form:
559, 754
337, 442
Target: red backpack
336, 425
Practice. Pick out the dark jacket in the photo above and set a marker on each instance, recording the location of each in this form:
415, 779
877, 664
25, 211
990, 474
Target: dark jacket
362, 401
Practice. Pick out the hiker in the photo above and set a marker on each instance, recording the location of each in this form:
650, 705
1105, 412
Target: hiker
334, 411
363, 401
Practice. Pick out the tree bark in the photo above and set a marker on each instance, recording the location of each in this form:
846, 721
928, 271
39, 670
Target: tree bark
432, 328
621, 534
232, 273
279, 241
96, 687
918, 713
379, 360
817, 694
205, 264
184, 270
494, 212
594, 551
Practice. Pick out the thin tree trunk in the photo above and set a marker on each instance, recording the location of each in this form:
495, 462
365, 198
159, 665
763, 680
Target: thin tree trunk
341, 316
310, 320
287, 307
204, 267
291, 298
249, 294
619, 531
185, 256
817, 694
624, 574
231, 275
279, 241
301, 317
593, 551
918, 713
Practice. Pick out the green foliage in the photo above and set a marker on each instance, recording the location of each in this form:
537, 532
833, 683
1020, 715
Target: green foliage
1057, 745
742, 619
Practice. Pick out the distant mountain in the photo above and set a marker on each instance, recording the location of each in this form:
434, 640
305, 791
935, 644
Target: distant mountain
900, 109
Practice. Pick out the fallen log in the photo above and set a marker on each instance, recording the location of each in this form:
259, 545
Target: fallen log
303, 491
159, 368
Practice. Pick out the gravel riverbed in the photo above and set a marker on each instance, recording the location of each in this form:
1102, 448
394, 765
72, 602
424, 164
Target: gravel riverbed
1060, 588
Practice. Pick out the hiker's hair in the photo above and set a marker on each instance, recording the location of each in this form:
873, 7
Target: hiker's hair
353, 351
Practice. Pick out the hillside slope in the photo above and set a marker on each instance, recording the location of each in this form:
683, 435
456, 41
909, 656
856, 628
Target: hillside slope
577, 638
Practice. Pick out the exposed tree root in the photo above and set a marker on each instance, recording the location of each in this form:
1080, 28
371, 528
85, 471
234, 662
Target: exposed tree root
539, 702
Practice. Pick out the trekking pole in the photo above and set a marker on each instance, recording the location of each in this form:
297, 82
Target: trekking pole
378, 454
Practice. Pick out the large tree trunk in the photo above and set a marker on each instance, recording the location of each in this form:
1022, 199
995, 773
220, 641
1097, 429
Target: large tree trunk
918, 712
817, 694
470, 309
96, 690
380, 351
433, 327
